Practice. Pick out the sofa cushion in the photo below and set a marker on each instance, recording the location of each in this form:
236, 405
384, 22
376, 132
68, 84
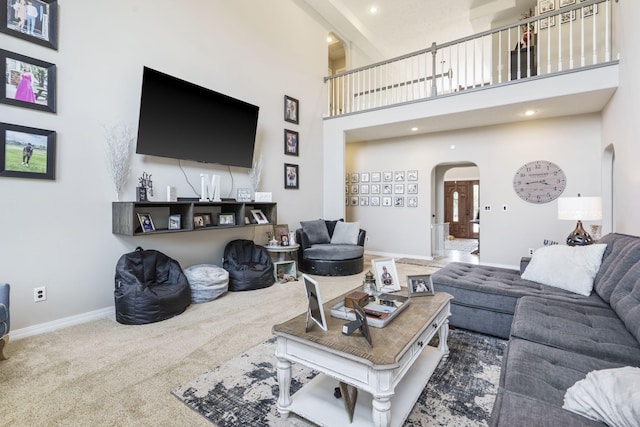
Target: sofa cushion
492, 288
346, 233
513, 409
316, 231
608, 395
586, 328
331, 252
572, 268
545, 373
618, 281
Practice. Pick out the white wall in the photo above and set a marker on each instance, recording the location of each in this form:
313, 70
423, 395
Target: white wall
573, 143
620, 128
58, 233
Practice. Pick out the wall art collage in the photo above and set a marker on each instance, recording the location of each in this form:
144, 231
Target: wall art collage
28, 152
392, 188
291, 143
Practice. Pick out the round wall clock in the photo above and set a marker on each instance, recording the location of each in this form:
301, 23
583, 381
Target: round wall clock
539, 181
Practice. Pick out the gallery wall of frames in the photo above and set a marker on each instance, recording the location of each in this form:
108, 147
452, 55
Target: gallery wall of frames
387, 189
30, 83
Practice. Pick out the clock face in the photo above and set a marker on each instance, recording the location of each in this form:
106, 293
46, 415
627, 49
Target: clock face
539, 181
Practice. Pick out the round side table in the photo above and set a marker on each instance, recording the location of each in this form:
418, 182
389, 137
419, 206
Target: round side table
282, 250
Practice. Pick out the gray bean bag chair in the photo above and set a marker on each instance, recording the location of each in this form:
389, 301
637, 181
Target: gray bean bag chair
249, 266
207, 282
150, 287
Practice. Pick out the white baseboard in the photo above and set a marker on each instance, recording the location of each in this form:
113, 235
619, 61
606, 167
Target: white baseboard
61, 323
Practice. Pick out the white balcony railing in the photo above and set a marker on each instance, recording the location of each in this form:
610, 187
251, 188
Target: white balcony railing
556, 41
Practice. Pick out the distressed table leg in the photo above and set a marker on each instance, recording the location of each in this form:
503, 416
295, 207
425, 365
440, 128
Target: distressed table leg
443, 335
381, 411
284, 384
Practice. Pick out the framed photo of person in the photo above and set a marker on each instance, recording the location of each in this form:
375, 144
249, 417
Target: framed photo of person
174, 221
385, 273
315, 311
198, 221
27, 152
226, 219
146, 222
420, 285
291, 176
29, 83
207, 219
291, 142
291, 109
259, 216
32, 20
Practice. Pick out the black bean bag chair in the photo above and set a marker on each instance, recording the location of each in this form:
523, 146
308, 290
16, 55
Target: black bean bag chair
249, 266
150, 287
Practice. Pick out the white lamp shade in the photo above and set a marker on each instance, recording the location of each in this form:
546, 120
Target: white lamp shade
580, 208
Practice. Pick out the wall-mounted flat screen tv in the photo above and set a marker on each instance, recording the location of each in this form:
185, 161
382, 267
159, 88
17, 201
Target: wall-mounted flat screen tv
181, 120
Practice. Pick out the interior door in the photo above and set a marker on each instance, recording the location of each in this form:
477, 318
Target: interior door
459, 208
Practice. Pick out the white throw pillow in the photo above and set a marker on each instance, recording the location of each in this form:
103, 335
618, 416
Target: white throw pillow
611, 396
571, 268
346, 233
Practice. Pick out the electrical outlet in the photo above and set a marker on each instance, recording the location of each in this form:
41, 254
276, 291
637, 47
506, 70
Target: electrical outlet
487, 208
40, 294
531, 251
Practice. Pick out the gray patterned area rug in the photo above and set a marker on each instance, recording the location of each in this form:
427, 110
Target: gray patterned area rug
244, 390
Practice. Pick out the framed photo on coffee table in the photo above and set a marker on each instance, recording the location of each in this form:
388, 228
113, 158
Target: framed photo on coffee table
420, 285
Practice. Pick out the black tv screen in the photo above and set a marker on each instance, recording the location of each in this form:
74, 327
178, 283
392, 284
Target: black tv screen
182, 120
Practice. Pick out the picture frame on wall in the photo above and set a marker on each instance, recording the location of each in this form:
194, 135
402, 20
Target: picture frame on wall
291, 176
34, 20
27, 152
565, 3
291, 142
29, 82
567, 16
291, 109
546, 5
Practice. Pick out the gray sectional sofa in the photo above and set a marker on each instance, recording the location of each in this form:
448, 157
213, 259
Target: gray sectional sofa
556, 337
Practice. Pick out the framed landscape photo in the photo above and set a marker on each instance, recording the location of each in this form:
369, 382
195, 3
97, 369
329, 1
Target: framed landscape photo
291, 141
291, 176
27, 152
420, 285
386, 275
291, 109
29, 82
32, 20
146, 222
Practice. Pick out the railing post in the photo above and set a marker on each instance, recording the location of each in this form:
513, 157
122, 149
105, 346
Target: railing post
434, 88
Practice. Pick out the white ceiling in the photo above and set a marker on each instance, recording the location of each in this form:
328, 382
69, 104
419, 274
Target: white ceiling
403, 26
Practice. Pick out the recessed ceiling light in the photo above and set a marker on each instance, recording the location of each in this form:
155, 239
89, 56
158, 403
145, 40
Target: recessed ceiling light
329, 39
529, 112
414, 129
373, 9
453, 147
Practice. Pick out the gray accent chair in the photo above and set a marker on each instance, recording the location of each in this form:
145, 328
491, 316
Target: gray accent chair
317, 255
555, 337
5, 324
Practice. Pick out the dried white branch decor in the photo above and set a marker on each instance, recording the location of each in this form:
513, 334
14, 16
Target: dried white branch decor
118, 148
255, 173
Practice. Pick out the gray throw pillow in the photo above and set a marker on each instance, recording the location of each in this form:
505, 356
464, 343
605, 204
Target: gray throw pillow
316, 231
346, 233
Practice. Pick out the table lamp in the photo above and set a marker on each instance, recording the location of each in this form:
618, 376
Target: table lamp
579, 209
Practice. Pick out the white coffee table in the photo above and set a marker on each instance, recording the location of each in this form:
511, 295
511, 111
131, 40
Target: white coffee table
393, 373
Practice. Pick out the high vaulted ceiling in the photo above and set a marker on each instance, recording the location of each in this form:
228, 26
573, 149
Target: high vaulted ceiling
403, 26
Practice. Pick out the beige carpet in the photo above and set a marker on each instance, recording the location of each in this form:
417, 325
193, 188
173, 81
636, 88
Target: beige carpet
102, 373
